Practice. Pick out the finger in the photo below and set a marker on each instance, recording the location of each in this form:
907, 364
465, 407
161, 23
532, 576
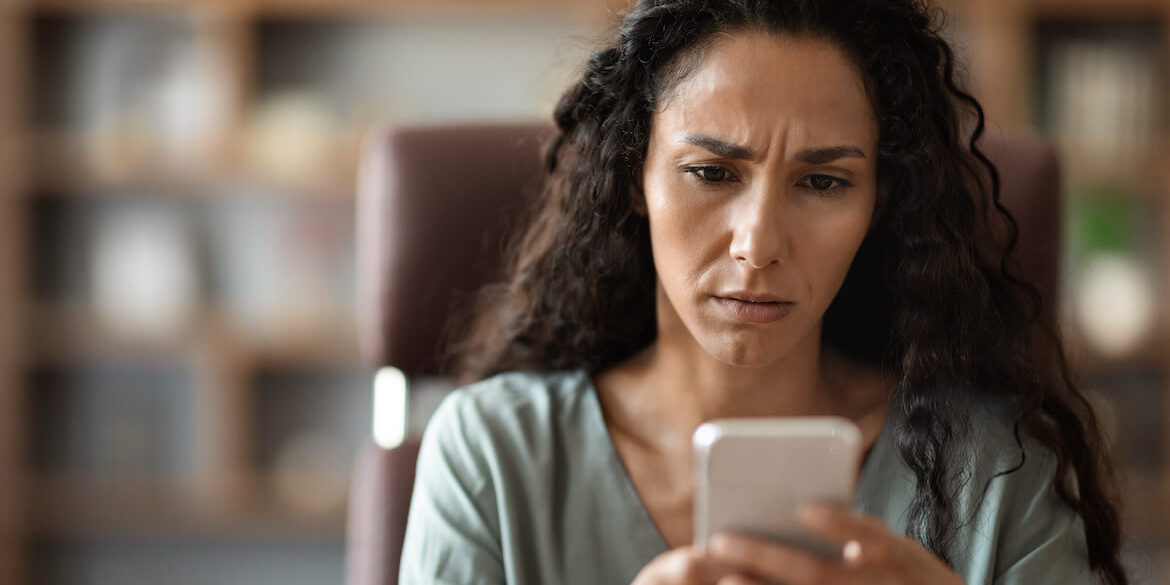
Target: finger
692, 565
842, 524
864, 539
767, 559
739, 579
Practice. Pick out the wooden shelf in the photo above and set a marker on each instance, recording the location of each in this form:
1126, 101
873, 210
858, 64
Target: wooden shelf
1150, 356
82, 7
195, 186
73, 335
334, 9
153, 509
60, 168
591, 10
1146, 508
1144, 179
1096, 9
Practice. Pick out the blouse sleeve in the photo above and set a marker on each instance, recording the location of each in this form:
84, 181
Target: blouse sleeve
1042, 540
452, 531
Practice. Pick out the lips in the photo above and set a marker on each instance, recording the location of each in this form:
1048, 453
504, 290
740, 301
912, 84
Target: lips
748, 297
754, 308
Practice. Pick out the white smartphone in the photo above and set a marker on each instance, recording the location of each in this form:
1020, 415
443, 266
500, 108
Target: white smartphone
753, 474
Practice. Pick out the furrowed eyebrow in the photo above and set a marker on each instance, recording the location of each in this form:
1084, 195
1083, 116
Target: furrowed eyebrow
820, 156
719, 147
815, 156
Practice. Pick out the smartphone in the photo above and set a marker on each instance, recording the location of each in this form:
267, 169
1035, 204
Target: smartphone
753, 474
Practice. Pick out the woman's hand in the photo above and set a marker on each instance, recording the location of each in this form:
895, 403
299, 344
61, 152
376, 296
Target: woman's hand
690, 565
872, 555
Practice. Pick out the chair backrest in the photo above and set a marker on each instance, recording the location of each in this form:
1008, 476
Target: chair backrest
435, 204
1030, 189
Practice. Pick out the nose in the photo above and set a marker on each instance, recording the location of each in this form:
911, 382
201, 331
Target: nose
759, 235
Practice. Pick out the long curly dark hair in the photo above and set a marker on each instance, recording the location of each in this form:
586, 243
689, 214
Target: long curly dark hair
930, 296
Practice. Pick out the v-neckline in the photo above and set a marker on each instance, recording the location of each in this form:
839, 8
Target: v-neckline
634, 499
621, 473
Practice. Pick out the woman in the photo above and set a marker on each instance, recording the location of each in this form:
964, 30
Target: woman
764, 208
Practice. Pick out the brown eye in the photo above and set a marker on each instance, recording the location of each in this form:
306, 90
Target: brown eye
821, 182
711, 174
824, 183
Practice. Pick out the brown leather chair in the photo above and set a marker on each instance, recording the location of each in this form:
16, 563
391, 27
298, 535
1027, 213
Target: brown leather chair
434, 206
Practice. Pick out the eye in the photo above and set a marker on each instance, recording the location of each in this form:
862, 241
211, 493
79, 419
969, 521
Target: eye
824, 183
711, 174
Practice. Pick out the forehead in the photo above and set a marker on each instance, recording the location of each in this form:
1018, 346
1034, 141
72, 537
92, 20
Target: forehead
750, 86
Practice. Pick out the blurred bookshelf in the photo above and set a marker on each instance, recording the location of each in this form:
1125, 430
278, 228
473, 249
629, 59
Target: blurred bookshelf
180, 384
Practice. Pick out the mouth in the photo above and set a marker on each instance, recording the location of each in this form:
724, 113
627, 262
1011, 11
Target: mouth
748, 297
754, 308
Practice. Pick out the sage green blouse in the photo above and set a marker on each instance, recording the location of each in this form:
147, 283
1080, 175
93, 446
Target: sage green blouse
519, 483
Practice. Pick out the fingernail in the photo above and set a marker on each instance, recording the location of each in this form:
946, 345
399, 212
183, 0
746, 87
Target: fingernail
719, 543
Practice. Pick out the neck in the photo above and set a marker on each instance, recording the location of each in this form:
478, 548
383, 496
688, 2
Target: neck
672, 387
700, 388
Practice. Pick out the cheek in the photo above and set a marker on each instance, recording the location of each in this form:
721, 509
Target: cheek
680, 227
833, 245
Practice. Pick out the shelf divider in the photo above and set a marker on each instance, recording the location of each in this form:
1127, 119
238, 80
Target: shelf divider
13, 238
222, 409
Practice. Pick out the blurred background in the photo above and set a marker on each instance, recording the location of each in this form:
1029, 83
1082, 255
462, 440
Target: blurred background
181, 394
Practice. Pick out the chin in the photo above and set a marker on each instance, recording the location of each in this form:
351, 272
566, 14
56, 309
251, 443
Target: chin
741, 353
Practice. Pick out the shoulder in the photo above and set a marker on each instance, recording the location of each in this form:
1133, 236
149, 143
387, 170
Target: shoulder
505, 417
1016, 525
988, 443
510, 399
477, 454
999, 459
511, 390
484, 434
999, 447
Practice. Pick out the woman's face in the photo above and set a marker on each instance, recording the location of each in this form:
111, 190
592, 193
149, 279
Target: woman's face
759, 185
